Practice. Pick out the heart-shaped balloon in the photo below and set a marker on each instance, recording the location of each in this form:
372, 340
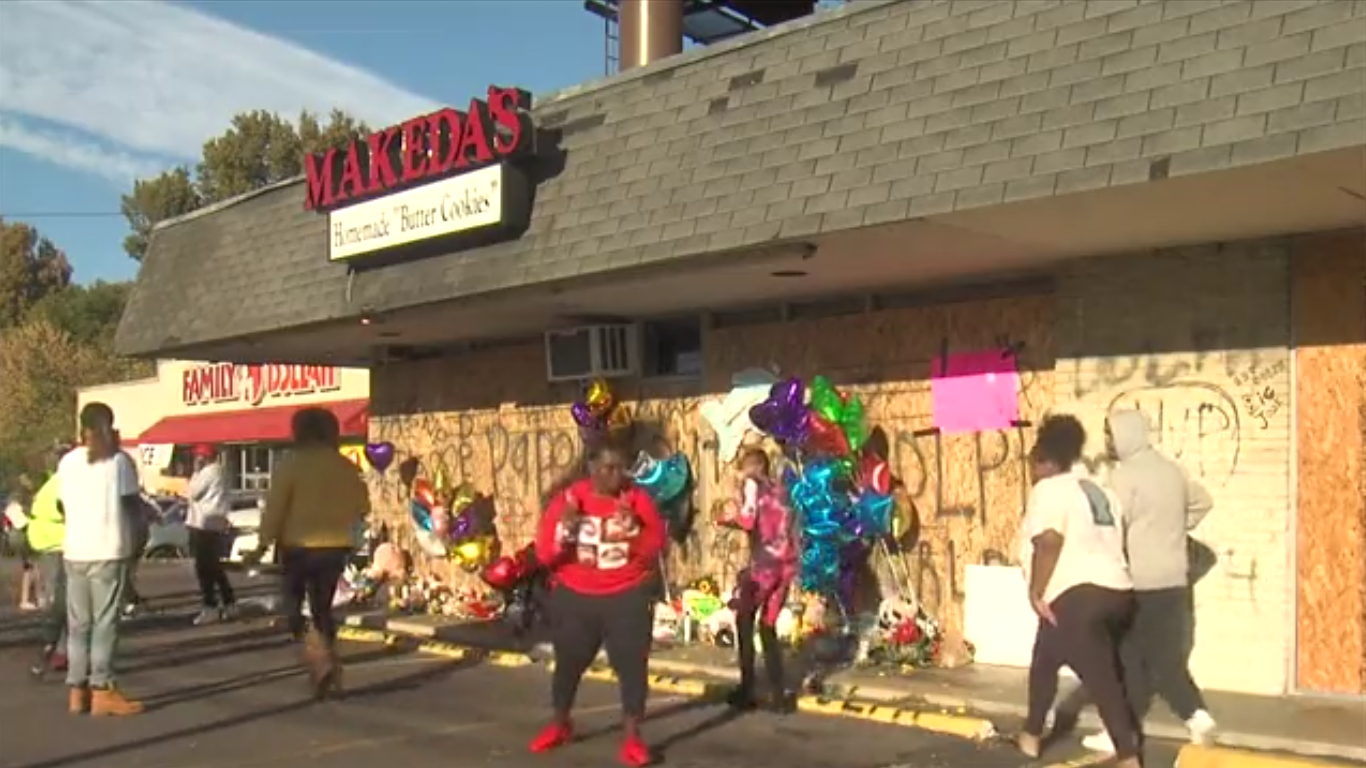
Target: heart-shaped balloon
874, 474
423, 492
503, 574
583, 416
783, 414
825, 400
825, 437
380, 456
598, 397
462, 526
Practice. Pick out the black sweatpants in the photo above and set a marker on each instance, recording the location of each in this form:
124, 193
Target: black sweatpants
206, 547
1090, 622
580, 625
312, 575
747, 619
1156, 652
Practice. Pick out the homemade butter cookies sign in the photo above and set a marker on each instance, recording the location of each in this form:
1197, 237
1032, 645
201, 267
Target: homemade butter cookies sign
433, 184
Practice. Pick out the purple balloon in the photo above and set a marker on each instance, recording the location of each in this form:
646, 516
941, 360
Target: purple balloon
584, 417
790, 392
462, 526
379, 455
783, 415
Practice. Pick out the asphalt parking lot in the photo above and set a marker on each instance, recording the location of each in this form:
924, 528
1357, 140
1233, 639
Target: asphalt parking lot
231, 696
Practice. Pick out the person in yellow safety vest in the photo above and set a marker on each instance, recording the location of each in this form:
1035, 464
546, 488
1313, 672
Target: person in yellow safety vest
46, 535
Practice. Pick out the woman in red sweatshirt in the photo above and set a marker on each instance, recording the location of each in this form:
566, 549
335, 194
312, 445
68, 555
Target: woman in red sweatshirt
601, 539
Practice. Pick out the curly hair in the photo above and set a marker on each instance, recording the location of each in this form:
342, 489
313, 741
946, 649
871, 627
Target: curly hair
1060, 441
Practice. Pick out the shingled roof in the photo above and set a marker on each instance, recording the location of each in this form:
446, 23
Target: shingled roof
875, 112
650, 157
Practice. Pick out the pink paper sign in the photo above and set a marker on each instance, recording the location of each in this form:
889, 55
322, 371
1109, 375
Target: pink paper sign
975, 391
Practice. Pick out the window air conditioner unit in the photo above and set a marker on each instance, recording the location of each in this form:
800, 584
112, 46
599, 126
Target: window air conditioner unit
592, 351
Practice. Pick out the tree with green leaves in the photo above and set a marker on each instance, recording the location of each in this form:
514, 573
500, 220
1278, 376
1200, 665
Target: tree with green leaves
258, 149
31, 267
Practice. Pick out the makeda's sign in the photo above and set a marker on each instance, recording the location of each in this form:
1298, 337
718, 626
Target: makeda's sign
433, 184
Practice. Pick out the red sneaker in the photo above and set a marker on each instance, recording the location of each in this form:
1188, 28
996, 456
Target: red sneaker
634, 753
552, 736
57, 663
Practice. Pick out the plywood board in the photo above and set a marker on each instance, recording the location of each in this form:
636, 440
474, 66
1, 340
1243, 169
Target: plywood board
1329, 278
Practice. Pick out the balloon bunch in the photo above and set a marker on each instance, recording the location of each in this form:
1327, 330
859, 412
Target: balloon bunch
519, 578
454, 522
842, 494
598, 413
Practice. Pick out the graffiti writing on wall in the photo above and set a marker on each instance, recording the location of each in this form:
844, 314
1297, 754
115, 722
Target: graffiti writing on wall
1195, 423
1260, 399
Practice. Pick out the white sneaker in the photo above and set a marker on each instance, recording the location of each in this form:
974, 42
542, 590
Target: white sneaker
206, 616
541, 652
1099, 742
1201, 727
228, 613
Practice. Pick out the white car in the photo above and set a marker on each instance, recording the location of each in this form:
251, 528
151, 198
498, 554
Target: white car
244, 523
167, 538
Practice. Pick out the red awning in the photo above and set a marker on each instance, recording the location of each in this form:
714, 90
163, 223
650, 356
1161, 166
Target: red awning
249, 426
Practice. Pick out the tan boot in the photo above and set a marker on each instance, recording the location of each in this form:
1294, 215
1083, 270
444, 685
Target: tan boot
78, 700
317, 660
336, 688
110, 702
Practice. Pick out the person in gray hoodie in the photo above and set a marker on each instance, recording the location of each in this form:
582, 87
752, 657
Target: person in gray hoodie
1162, 504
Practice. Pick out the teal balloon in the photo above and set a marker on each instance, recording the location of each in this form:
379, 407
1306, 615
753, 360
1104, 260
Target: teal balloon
874, 513
664, 479
421, 517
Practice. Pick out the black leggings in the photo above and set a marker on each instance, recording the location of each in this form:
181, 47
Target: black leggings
207, 549
580, 625
1091, 621
747, 615
312, 575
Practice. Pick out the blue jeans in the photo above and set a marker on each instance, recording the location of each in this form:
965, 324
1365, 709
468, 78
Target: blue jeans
52, 571
94, 595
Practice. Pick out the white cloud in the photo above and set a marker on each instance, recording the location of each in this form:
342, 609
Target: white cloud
70, 151
158, 79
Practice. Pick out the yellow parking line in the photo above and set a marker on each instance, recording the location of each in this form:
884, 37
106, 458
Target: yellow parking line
959, 725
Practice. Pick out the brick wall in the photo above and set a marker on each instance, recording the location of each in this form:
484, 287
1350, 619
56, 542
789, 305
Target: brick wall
1198, 339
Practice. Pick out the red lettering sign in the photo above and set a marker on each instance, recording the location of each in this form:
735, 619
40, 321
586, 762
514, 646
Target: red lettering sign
255, 384
422, 149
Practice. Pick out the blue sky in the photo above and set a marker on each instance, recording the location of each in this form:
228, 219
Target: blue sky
93, 95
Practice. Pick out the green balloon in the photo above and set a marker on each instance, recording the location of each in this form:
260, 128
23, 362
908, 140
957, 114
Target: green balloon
825, 401
854, 424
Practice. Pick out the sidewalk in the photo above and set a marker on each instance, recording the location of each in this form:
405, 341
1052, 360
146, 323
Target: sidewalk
1303, 726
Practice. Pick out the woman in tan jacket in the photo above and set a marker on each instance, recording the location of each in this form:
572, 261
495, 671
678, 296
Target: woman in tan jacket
316, 501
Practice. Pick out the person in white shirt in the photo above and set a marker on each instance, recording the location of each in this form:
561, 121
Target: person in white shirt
208, 523
1072, 548
99, 496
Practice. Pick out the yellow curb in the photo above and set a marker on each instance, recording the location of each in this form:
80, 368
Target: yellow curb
1082, 762
962, 726
362, 635
1192, 756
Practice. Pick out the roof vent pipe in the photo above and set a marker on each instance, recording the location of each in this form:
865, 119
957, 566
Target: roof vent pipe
649, 30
